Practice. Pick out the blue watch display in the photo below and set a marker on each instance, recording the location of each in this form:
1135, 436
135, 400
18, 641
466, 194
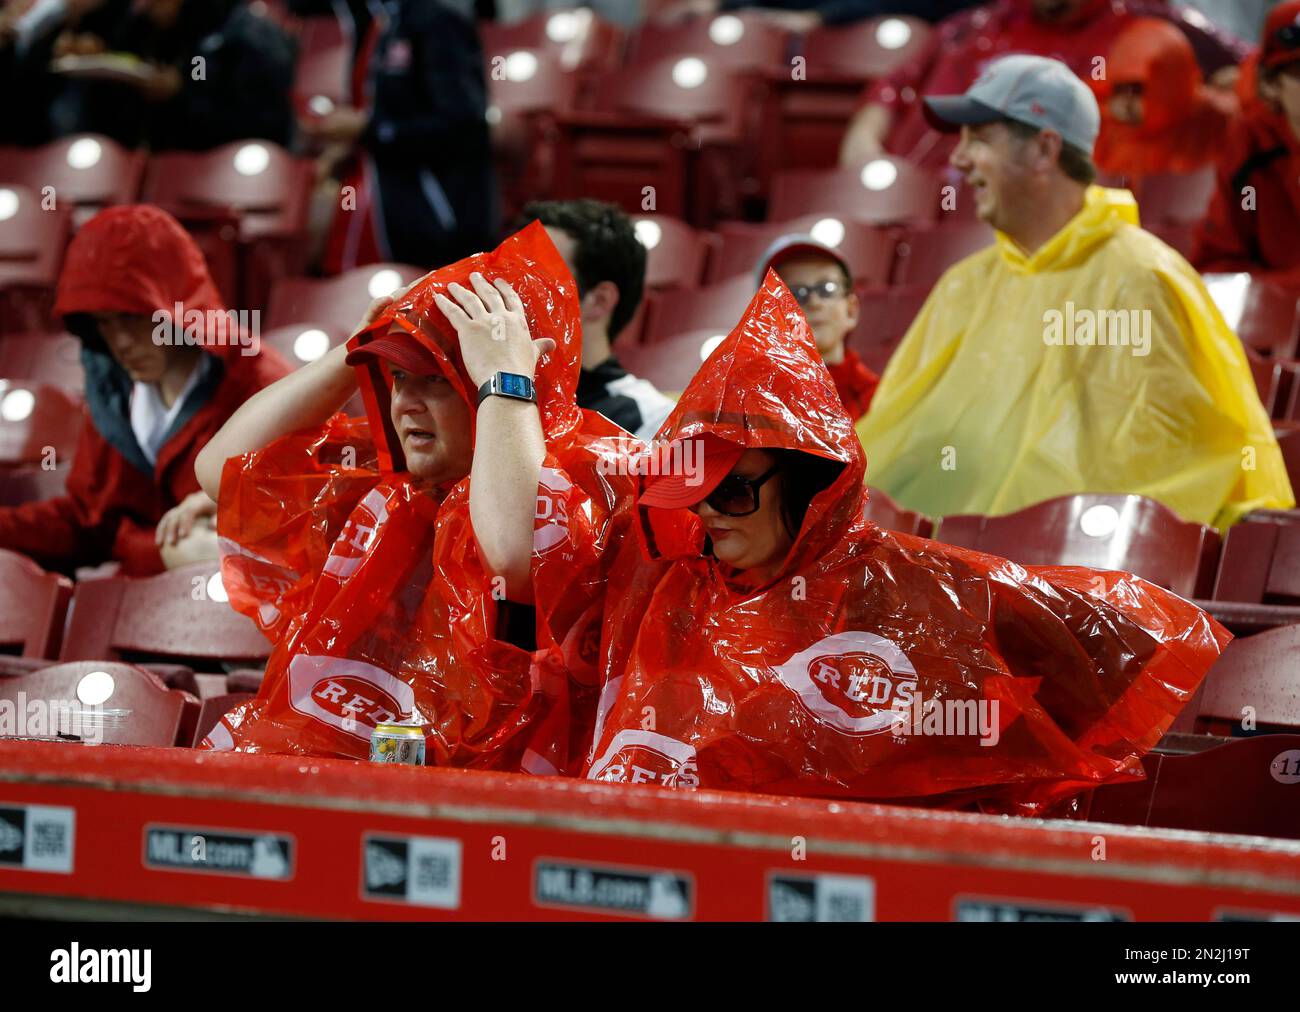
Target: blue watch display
508, 384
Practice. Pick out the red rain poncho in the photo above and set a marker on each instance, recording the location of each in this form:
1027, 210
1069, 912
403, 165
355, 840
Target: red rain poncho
372, 589
1183, 122
792, 686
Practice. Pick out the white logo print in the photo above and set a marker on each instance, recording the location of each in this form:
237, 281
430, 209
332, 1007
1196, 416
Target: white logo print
856, 682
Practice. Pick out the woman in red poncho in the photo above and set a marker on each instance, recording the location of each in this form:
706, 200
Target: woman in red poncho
1157, 115
350, 542
761, 635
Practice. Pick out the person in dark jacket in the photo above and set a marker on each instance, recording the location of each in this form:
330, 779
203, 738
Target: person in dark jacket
165, 367
419, 186
219, 72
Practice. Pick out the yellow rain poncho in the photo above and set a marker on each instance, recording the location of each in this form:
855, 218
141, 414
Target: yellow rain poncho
1099, 364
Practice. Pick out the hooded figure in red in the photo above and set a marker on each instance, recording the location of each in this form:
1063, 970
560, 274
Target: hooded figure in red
1157, 115
1254, 218
370, 583
860, 662
136, 289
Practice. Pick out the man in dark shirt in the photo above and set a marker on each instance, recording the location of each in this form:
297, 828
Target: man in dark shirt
607, 260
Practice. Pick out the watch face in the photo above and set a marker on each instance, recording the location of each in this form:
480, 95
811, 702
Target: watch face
513, 385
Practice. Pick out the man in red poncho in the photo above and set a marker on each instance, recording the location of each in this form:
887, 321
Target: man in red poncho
1157, 115
1254, 220
440, 561
165, 368
761, 635
1077, 32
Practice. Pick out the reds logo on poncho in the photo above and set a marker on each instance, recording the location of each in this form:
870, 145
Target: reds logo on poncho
350, 695
856, 682
551, 518
644, 757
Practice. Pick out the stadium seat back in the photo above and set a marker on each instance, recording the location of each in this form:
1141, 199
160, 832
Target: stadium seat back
717, 308
883, 320
33, 604
49, 359
118, 704
1263, 314
579, 38
39, 424
924, 254
1114, 532
675, 252
87, 171
884, 512
528, 81
885, 190
738, 40
868, 249
1241, 786
301, 343
180, 615
1175, 198
1260, 564
32, 238
340, 301
262, 182
670, 363
863, 51
212, 710
681, 90
1257, 676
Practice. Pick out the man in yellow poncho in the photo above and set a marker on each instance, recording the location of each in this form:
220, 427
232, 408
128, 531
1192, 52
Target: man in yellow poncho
1077, 354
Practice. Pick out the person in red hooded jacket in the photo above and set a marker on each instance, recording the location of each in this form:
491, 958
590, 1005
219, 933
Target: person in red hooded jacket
1157, 115
761, 635
1254, 219
1077, 32
439, 561
165, 367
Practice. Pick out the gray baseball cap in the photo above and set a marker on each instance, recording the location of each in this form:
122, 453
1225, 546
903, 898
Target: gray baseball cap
1034, 90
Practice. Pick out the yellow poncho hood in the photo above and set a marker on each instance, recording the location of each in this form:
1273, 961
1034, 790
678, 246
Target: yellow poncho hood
1098, 364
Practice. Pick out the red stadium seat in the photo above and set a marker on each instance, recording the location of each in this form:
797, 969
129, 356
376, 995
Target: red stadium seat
255, 185
32, 241
666, 137
322, 78
868, 249
886, 190
179, 616
338, 302
717, 308
1264, 315
1260, 564
114, 703
1286, 390
1260, 672
301, 343
577, 37
527, 90
883, 319
32, 606
1231, 788
211, 710
1117, 532
1288, 440
924, 254
39, 424
740, 40
883, 511
675, 252
32, 484
670, 363
1175, 198
86, 171
51, 359
837, 63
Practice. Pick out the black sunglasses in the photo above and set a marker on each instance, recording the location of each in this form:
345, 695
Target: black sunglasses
825, 291
736, 495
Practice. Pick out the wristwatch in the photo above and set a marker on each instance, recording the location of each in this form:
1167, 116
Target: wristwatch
508, 384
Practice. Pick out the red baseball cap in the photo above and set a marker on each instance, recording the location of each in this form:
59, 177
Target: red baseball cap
401, 350
1281, 36
680, 489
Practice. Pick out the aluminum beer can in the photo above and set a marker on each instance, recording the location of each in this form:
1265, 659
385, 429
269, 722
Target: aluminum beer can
397, 743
